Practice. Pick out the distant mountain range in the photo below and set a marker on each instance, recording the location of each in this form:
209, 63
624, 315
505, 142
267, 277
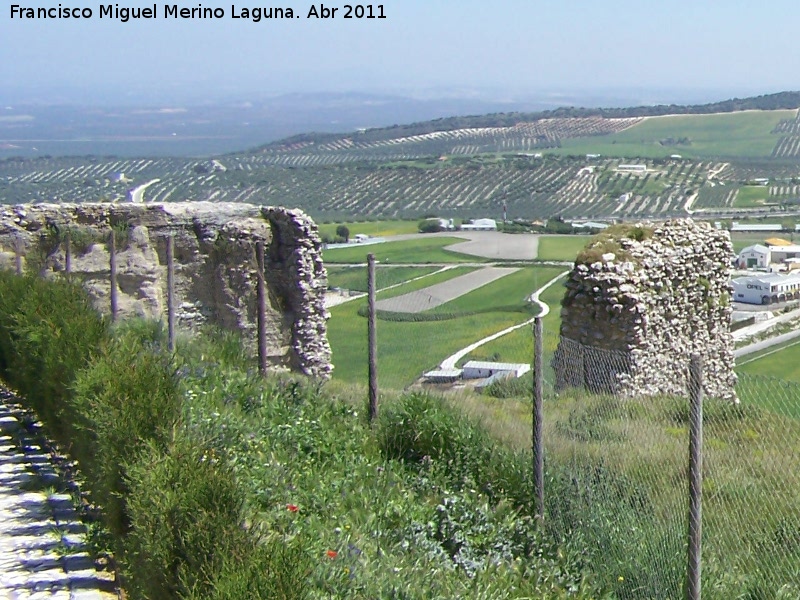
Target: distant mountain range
38, 127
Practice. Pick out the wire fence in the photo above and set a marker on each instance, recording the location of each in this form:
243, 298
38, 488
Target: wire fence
618, 479
617, 476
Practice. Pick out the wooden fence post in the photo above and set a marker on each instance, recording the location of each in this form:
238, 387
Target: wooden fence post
538, 418
18, 256
261, 299
68, 254
372, 337
693, 573
171, 293
112, 248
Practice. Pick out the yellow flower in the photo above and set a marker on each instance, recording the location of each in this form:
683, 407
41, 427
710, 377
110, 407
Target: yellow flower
620, 578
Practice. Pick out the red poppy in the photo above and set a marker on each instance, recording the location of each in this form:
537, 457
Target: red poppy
292, 507
332, 553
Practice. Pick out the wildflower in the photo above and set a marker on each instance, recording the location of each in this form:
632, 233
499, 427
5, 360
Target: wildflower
332, 554
292, 507
620, 578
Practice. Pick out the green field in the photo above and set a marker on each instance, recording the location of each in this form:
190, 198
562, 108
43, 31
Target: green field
561, 247
782, 362
517, 346
419, 251
741, 134
751, 196
355, 278
437, 276
508, 291
372, 228
407, 349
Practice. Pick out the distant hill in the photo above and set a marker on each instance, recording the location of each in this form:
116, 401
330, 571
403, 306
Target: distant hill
777, 101
577, 163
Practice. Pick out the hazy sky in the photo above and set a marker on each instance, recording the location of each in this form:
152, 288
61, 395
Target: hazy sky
514, 46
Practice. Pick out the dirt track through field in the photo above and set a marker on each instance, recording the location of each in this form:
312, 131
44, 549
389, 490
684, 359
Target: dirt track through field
433, 296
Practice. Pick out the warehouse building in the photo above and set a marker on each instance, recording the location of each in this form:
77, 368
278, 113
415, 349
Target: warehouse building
766, 289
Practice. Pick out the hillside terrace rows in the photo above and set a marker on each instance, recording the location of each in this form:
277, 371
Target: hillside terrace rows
530, 186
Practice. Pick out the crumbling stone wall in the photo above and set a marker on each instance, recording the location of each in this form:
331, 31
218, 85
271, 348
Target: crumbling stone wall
215, 267
640, 301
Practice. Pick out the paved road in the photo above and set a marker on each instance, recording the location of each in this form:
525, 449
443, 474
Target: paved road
764, 344
137, 194
41, 538
449, 363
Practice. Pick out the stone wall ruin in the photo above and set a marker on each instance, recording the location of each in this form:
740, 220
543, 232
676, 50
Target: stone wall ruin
215, 268
640, 301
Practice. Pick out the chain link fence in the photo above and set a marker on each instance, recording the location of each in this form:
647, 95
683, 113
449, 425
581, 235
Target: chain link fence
617, 479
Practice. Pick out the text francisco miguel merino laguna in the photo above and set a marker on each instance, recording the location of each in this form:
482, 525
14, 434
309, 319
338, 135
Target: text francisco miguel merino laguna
175, 11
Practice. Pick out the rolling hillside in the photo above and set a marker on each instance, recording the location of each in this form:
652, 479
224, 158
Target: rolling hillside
569, 162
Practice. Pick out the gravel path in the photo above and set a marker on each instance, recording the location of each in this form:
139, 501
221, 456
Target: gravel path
41, 537
433, 296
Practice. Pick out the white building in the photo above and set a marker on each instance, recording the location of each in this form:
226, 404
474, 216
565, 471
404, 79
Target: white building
633, 168
443, 375
756, 226
478, 369
784, 253
754, 257
590, 225
480, 225
766, 289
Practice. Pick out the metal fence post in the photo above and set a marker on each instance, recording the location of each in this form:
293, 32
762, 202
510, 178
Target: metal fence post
261, 298
112, 248
372, 340
538, 449
693, 572
171, 293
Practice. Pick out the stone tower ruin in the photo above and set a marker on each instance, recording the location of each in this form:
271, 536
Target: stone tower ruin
640, 301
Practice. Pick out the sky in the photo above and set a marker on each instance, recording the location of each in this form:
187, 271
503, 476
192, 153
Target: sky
422, 47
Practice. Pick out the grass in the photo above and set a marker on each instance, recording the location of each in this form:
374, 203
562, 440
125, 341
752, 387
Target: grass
751, 196
406, 350
561, 247
512, 290
355, 278
372, 228
426, 498
438, 276
517, 346
781, 362
420, 251
741, 134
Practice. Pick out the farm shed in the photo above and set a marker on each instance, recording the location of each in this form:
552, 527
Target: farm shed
784, 253
443, 376
477, 369
480, 225
754, 257
766, 289
590, 225
756, 226
482, 385
632, 168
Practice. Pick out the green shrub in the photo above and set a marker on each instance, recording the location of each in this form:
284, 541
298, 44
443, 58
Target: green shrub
186, 522
48, 332
274, 571
422, 430
127, 398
